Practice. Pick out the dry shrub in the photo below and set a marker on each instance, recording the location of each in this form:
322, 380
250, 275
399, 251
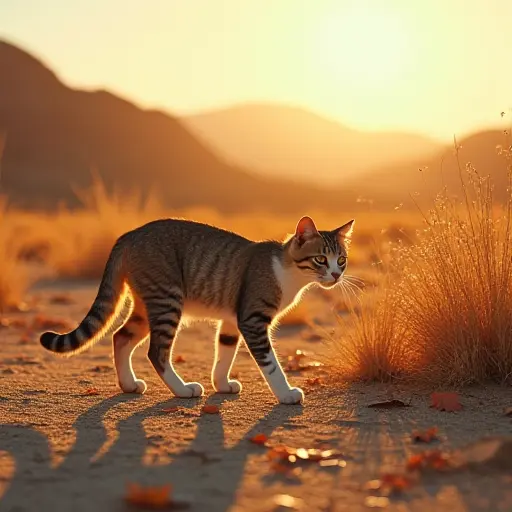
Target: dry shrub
82, 241
446, 314
14, 278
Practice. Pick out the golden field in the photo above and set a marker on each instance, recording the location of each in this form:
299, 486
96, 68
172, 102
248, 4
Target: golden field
438, 302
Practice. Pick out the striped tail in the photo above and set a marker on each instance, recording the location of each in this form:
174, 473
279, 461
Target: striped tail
112, 299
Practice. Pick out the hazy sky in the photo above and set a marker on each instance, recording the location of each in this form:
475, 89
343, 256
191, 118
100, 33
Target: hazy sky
434, 66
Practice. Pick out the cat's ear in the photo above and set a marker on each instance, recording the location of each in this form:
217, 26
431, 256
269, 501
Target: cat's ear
305, 230
344, 233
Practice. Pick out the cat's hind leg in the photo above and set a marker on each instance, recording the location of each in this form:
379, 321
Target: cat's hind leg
226, 345
164, 314
134, 332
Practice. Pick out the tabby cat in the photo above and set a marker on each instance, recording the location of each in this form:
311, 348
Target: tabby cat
167, 270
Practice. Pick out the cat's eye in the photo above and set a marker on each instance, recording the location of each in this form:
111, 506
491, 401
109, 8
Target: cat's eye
341, 261
320, 260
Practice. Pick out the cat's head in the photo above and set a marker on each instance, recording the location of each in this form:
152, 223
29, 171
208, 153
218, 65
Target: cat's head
320, 256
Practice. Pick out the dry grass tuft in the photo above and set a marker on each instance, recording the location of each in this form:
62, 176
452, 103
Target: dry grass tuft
13, 276
446, 315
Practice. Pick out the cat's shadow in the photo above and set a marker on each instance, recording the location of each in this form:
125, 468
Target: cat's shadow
206, 467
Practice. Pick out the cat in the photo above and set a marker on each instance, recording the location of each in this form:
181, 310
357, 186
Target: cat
169, 269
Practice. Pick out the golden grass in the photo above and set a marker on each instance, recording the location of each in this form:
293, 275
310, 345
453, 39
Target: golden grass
445, 316
14, 278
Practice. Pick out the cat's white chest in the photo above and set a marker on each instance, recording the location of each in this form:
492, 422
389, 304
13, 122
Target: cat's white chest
291, 282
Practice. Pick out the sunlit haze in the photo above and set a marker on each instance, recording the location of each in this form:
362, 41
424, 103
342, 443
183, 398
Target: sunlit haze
437, 67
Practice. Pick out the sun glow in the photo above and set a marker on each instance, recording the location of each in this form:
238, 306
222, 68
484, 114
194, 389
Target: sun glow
368, 46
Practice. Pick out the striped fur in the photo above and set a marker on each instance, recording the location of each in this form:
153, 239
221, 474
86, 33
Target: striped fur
161, 274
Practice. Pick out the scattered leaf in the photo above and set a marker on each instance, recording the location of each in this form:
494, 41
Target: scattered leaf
210, 409
294, 362
260, 439
389, 404
314, 381
179, 359
90, 392
446, 402
432, 459
149, 497
170, 409
507, 411
426, 436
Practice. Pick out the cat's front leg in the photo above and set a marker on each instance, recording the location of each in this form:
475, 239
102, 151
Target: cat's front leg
255, 330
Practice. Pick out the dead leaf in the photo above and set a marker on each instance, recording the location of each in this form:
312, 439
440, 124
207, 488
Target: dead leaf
391, 483
179, 359
314, 381
149, 497
445, 402
432, 459
170, 409
260, 439
91, 392
210, 409
389, 404
426, 436
507, 411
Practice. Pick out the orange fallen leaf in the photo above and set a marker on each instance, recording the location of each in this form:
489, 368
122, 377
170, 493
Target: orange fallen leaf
90, 392
432, 459
507, 411
210, 409
179, 359
149, 497
259, 439
391, 482
171, 409
446, 402
426, 436
314, 381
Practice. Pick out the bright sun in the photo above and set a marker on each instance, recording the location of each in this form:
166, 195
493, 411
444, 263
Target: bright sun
367, 46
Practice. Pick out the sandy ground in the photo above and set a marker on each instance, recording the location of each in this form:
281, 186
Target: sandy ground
63, 451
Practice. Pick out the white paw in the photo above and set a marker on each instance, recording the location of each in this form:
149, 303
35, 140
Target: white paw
139, 387
191, 390
293, 396
230, 387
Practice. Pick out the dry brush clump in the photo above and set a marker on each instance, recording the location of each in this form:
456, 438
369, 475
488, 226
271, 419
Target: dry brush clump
445, 315
14, 278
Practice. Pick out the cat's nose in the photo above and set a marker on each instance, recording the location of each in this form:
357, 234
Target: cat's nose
336, 275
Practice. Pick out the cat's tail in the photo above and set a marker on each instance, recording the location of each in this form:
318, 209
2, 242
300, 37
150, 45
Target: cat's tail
113, 297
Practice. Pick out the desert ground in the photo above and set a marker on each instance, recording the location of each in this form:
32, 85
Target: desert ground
70, 440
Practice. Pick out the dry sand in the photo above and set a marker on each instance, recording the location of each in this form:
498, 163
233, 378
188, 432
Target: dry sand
62, 451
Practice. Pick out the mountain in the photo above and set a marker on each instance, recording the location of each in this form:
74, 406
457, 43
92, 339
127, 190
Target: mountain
54, 135
423, 178
298, 143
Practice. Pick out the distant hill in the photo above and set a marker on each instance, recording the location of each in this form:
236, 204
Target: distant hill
295, 142
391, 185
54, 134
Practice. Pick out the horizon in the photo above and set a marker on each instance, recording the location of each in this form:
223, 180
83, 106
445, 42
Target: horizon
381, 88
